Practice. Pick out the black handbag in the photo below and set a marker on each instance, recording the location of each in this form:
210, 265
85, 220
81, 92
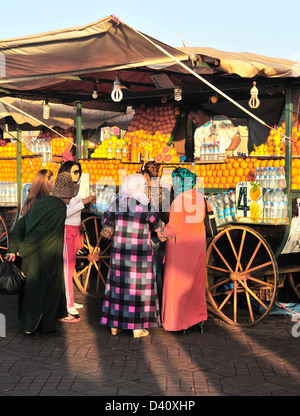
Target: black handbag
108, 230
11, 278
210, 222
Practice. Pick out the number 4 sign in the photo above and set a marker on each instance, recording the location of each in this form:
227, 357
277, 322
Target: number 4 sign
249, 204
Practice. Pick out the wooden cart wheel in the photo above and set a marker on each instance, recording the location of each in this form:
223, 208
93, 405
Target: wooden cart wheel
3, 238
241, 276
92, 262
294, 284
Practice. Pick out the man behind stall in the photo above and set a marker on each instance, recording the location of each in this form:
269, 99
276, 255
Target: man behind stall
209, 129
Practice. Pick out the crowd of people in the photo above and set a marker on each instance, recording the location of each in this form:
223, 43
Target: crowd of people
156, 274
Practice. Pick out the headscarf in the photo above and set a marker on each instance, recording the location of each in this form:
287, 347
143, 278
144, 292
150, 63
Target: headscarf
183, 179
135, 187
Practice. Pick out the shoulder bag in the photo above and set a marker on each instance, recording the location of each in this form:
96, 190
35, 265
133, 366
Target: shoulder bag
210, 222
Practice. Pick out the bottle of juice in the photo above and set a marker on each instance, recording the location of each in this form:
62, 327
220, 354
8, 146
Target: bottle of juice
124, 157
134, 150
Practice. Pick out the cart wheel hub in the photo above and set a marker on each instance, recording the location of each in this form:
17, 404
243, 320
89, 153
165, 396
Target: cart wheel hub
234, 276
93, 257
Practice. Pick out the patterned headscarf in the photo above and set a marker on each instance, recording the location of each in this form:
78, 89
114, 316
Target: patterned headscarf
183, 179
135, 187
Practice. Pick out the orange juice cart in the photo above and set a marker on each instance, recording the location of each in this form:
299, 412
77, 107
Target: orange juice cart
246, 261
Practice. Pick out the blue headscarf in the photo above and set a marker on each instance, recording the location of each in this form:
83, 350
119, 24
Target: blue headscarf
183, 179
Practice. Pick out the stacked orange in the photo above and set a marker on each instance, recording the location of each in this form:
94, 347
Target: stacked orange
31, 166
108, 172
228, 174
275, 143
8, 171
296, 174
10, 150
59, 145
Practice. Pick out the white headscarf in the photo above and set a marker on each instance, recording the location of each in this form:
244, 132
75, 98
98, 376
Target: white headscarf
135, 187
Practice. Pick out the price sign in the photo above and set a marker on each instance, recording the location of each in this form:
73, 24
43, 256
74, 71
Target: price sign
166, 176
249, 203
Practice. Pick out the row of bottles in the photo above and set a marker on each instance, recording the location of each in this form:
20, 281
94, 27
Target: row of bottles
211, 151
8, 193
224, 207
275, 204
270, 177
119, 152
104, 197
41, 147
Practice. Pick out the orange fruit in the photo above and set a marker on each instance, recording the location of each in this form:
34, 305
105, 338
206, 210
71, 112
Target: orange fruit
239, 172
255, 192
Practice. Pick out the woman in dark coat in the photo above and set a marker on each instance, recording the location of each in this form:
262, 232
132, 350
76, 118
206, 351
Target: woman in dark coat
38, 238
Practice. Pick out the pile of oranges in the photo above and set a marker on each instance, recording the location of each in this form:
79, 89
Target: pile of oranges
31, 166
108, 172
59, 145
275, 143
215, 175
232, 171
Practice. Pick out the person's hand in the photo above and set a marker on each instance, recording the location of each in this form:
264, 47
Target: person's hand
91, 199
160, 236
10, 257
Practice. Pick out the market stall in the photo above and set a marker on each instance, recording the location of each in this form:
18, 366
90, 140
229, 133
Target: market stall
161, 83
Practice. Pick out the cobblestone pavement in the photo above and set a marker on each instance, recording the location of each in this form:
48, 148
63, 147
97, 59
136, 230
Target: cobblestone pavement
86, 360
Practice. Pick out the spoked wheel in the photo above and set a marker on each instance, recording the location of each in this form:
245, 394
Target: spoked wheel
295, 284
241, 276
92, 261
3, 238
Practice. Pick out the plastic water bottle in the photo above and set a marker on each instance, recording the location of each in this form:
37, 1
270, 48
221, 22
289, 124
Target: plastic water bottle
220, 209
282, 203
274, 203
266, 177
216, 151
48, 151
221, 147
272, 183
232, 199
202, 151
212, 202
226, 202
258, 175
282, 178
1, 192
206, 153
267, 205
276, 177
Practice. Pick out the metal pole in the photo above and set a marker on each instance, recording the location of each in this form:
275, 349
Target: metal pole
78, 130
288, 133
85, 136
19, 166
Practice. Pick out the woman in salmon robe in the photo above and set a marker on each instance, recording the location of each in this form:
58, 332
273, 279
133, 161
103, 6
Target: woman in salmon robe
184, 300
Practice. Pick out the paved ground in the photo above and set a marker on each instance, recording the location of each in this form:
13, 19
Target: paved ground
86, 360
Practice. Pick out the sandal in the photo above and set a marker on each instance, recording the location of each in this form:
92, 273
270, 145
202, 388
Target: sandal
115, 331
70, 318
138, 333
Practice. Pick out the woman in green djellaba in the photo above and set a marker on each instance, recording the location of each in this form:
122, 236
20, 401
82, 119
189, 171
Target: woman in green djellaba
38, 238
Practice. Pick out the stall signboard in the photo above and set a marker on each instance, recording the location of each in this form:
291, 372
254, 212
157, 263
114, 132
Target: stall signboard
166, 176
249, 202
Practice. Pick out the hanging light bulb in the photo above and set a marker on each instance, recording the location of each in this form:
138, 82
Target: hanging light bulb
254, 101
117, 94
95, 92
178, 93
46, 110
